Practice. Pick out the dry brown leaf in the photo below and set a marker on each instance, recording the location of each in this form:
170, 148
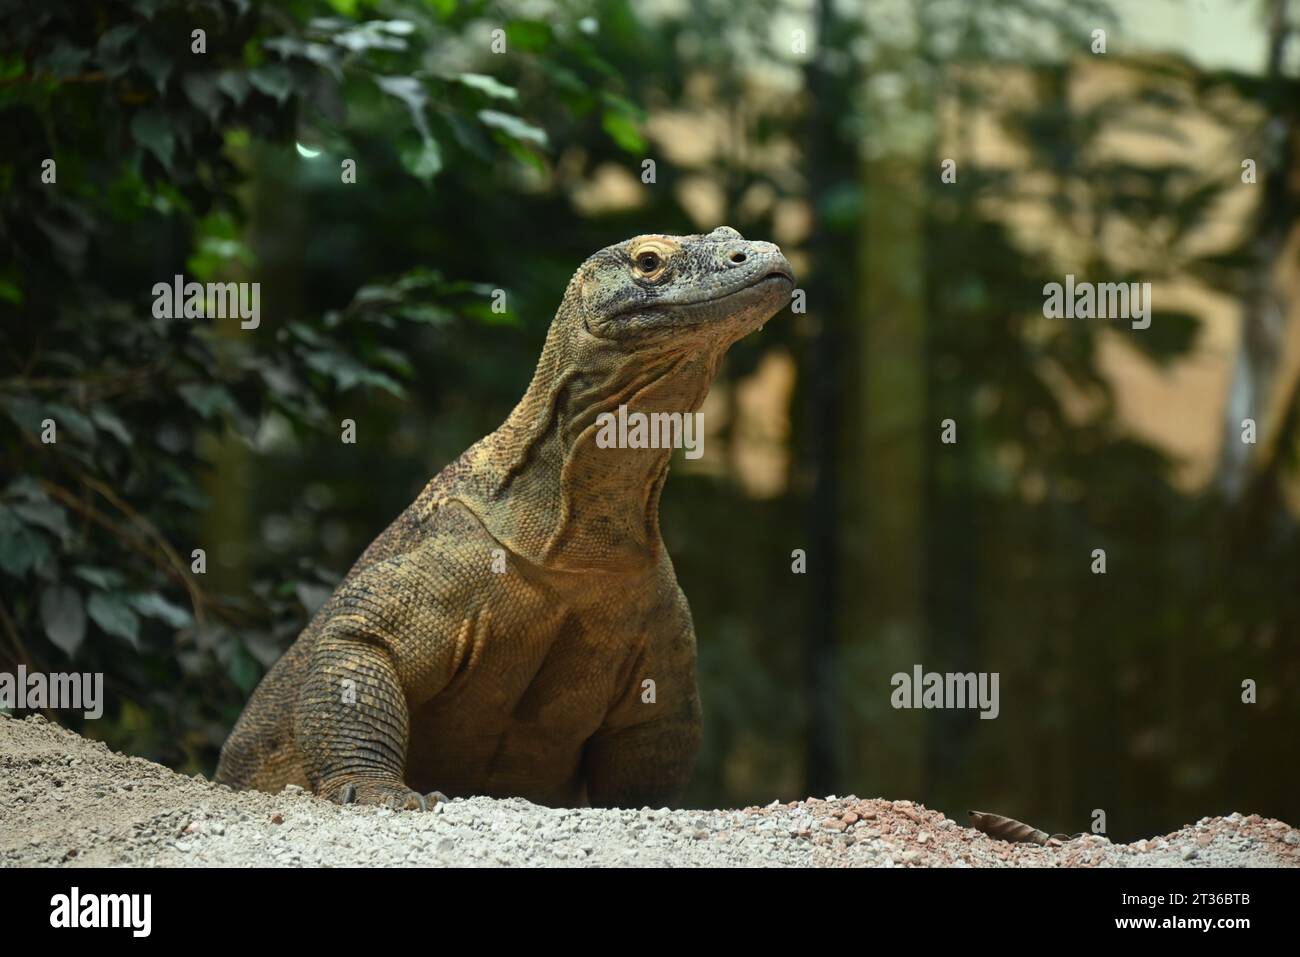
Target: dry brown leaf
1007, 829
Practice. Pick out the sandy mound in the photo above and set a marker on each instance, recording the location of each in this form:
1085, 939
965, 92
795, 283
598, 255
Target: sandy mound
65, 800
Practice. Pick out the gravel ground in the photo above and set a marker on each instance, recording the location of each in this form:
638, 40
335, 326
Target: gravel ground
68, 801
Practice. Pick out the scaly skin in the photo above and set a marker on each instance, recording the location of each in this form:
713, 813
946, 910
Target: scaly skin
430, 668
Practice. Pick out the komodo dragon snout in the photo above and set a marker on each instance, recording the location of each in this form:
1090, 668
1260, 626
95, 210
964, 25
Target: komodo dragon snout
519, 631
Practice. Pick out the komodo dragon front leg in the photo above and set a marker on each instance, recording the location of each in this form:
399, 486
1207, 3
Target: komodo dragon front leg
645, 751
352, 723
383, 650
646, 765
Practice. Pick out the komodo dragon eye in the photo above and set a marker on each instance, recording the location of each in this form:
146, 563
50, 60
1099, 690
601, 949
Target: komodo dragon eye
648, 262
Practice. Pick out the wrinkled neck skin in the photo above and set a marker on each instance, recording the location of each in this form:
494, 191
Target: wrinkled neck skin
574, 506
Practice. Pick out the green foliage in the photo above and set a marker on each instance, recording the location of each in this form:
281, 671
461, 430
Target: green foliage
154, 144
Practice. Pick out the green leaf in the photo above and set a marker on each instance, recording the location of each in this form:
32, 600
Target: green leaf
64, 59
372, 35
397, 361
427, 313
513, 127
489, 85
209, 401
344, 370
424, 161
336, 365
204, 91
110, 423
420, 278
28, 413
380, 380
623, 131
76, 422
234, 84
110, 611
64, 617
151, 130
154, 62
307, 334
21, 549
25, 486
153, 605
102, 578
411, 92
47, 515
110, 52
318, 53
621, 104
366, 295
182, 488
273, 79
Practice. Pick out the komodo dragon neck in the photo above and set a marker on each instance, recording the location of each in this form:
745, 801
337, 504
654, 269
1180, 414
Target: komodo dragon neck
556, 497
642, 324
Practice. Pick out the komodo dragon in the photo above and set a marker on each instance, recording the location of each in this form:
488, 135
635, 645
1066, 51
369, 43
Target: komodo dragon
495, 638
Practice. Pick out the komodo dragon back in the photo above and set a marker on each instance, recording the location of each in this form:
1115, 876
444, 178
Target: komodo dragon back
518, 630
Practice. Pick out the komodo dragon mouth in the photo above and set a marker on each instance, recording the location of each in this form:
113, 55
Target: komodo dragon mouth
774, 277
702, 309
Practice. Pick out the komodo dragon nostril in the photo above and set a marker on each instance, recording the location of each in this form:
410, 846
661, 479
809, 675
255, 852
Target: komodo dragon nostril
738, 257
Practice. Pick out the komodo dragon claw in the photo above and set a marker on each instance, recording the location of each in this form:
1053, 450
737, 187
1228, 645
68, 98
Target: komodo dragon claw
396, 796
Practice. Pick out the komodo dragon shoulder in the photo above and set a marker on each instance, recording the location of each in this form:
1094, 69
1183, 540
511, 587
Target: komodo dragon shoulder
497, 637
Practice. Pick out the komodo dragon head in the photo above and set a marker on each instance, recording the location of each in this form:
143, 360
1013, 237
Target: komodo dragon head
679, 292
644, 324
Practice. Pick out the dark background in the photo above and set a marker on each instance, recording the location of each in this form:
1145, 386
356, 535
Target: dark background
479, 170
